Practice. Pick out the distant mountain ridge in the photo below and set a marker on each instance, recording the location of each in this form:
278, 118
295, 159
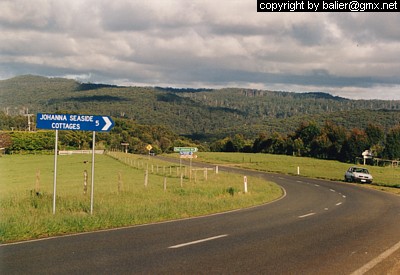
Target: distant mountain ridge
199, 113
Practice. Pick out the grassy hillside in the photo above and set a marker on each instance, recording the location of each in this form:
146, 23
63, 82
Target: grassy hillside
203, 114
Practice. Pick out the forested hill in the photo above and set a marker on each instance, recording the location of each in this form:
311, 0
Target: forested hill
198, 113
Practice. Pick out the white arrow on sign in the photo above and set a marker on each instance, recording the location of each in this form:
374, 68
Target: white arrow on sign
108, 123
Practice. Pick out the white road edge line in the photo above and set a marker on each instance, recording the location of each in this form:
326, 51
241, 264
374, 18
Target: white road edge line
307, 215
198, 241
339, 203
364, 269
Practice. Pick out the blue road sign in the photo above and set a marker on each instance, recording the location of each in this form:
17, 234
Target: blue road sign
74, 122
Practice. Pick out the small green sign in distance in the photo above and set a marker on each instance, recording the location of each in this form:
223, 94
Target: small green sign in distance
185, 149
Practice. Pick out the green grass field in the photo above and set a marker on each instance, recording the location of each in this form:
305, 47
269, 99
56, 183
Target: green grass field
308, 167
120, 195
122, 199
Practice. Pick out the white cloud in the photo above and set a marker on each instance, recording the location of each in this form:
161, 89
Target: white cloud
202, 42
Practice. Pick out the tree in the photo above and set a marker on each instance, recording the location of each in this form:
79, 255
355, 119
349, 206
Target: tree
238, 142
5, 140
354, 146
76, 139
337, 136
298, 146
375, 134
165, 144
274, 144
320, 146
32, 141
258, 142
229, 146
279, 144
392, 145
307, 132
219, 145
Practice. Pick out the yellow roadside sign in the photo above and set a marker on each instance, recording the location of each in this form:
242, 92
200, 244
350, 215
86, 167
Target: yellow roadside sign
149, 147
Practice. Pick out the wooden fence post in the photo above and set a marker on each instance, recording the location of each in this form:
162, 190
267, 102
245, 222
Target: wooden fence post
146, 178
85, 179
37, 183
119, 182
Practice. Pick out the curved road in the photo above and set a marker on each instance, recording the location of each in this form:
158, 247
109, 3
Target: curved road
319, 227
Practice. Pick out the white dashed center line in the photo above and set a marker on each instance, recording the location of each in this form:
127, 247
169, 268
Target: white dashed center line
307, 215
198, 241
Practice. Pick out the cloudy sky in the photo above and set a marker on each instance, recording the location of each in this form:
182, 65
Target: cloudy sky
202, 43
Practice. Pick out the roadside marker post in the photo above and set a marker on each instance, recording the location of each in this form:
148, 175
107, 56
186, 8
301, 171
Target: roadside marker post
73, 122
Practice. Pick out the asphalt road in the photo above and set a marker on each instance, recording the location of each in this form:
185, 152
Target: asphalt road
318, 227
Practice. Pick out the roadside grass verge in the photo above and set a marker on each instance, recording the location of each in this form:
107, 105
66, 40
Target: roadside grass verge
120, 195
385, 178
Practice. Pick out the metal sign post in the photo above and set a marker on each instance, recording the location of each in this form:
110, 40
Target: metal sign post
92, 191
73, 123
149, 147
55, 173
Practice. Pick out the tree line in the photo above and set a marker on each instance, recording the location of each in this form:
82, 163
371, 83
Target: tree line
331, 142
125, 131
